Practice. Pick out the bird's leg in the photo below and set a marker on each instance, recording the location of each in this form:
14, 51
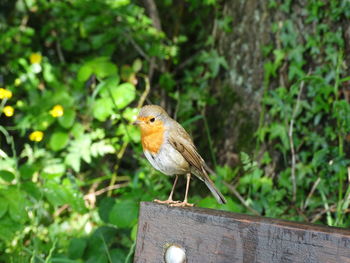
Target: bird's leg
188, 177
170, 198
185, 203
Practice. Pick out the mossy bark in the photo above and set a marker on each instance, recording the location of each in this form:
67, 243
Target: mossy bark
239, 91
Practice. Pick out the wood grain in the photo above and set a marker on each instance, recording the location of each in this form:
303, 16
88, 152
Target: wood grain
217, 236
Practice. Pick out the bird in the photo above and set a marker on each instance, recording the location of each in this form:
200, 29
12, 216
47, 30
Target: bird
170, 150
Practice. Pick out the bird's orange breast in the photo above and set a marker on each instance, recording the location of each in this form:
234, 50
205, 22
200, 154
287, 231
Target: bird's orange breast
152, 136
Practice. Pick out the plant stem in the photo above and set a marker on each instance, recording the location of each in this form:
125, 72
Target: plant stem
291, 141
209, 140
48, 259
340, 143
126, 143
131, 251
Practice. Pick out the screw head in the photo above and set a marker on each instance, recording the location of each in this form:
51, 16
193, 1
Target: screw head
175, 254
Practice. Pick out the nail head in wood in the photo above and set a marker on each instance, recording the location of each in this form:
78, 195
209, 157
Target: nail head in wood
175, 254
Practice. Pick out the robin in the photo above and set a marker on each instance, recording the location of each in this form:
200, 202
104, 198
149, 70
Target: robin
170, 150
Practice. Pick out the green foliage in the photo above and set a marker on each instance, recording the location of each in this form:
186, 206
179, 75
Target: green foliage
70, 184
124, 214
74, 72
64, 101
307, 117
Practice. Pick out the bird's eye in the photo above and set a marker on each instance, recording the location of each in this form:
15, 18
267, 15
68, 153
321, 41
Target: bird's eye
152, 120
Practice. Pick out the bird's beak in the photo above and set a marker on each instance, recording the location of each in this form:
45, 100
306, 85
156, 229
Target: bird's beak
137, 122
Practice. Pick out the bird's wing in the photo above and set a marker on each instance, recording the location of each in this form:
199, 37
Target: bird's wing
182, 142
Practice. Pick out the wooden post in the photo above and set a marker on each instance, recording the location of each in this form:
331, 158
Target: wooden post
209, 235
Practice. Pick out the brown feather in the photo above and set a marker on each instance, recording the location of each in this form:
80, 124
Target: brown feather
183, 143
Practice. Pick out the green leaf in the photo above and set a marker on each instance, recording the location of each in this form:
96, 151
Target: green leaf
130, 114
16, 204
101, 148
133, 234
84, 73
102, 67
129, 132
48, 74
43, 122
105, 207
124, 214
62, 96
73, 160
58, 141
8, 228
123, 94
248, 164
102, 109
64, 193
345, 79
117, 255
167, 81
77, 130
76, 248
54, 168
26, 171
207, 202
118, 3
55, 193
278, 130
98, 258
67, 120
7, 175
319, 157
32, 189
137, 65
107, 85
3, 206
97, 243
77, 150
75, 197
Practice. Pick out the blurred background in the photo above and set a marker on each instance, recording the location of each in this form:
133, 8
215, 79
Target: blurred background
263, 87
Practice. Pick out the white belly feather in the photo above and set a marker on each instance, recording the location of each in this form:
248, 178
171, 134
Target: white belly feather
168, 160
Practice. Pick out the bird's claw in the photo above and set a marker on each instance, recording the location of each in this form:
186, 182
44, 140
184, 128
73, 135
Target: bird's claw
182, 204
167, 202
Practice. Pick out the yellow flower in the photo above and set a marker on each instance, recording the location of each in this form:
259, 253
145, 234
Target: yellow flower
57, 111
18, 82
36, 136
35, 58
5, 94
8, 111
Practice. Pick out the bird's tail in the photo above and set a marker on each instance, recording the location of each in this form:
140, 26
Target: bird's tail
202, 175
216, 193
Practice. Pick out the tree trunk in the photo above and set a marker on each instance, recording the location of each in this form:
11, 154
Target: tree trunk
242, 86
240, 91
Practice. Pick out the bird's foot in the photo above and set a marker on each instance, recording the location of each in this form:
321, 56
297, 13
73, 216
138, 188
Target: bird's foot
182, 204
167, 202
